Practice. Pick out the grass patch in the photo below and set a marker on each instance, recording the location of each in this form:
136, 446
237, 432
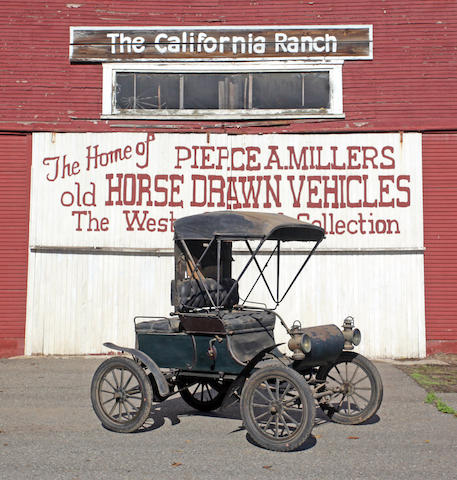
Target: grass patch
433, 399
435, 379
424, 380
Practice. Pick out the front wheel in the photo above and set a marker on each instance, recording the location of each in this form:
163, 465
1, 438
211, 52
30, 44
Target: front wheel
355, 386
121, 394
277, 408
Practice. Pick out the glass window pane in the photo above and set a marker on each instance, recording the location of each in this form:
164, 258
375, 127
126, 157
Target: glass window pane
215, 91
290, 90
233, 91
276, 90
201, 91
147, 91
125, 90
157, 91
316, 90
222, 91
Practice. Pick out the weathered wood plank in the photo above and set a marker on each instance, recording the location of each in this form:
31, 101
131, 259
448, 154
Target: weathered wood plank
97, 44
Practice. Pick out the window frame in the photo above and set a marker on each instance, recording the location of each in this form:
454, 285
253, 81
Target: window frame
334, 69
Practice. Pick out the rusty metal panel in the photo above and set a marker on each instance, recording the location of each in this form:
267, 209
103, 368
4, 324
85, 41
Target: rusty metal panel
15, 157
440, 229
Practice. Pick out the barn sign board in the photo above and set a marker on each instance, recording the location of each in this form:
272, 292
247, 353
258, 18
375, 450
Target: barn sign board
108, 44
125, 190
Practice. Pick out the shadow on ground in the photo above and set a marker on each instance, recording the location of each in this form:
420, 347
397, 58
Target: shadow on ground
174, 409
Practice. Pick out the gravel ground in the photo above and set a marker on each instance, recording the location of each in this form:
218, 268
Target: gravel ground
49, 431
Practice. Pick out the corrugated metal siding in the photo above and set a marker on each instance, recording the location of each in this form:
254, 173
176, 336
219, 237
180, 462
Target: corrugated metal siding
440, 230
410, 78
14, 212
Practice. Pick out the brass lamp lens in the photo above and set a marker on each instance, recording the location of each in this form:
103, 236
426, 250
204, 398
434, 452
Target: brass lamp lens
356, 336
306, 343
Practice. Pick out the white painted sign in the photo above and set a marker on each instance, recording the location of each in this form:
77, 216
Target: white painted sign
125, 190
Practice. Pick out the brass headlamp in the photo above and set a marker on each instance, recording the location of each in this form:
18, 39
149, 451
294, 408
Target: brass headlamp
352, 336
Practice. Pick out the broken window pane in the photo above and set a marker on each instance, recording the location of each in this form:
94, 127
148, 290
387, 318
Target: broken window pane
125, 96
157, 91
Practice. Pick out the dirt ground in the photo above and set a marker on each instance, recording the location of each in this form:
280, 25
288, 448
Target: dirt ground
439, 378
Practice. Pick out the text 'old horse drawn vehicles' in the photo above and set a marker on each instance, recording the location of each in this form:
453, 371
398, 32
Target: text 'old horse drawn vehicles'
215, 350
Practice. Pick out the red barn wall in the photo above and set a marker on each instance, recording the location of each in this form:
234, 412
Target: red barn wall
409, 84
440, 230
15, 156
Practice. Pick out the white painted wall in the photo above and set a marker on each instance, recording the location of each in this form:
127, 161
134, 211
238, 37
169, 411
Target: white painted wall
383, 292
77, 301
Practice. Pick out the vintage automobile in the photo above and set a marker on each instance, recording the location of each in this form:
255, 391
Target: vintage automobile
216, 348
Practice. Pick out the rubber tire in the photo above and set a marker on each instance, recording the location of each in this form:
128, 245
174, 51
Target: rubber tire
304, 430
146, 391
375, 383
205, 406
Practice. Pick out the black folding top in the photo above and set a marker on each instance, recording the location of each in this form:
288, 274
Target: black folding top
239, 224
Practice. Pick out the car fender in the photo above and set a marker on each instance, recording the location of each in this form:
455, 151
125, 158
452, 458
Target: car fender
237, 384
162, 384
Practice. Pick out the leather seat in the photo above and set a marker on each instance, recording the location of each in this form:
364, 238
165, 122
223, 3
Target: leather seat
160, 325
191, 293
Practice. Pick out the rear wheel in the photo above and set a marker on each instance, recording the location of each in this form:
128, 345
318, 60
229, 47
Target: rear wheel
357, 389
277, 408
121, 394
205, 395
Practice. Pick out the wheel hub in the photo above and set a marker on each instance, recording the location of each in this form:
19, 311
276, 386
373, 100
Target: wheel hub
348, 388
276, 408
120, 395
